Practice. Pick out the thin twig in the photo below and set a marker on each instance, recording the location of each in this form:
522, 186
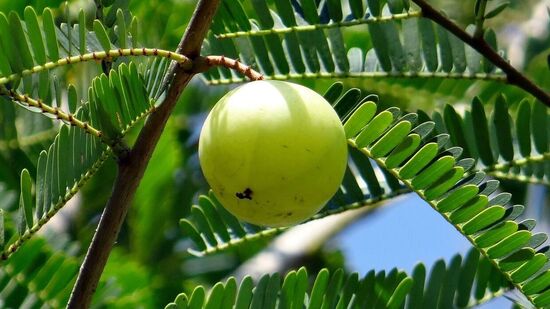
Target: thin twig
514, 76
118, 145
501, 78
233, 64
52, 111
99, 56
305, 28
132, 167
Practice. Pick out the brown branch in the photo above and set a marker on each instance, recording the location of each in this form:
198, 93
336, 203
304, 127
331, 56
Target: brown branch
514, 76
132, 167
229, 63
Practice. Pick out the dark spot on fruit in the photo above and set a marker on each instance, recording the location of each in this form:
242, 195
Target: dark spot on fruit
288, 214
285, 146
246, 194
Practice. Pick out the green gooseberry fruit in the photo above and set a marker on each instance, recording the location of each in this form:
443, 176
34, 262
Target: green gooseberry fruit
273, 152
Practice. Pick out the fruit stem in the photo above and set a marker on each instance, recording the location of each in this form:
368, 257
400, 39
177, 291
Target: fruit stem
204, 63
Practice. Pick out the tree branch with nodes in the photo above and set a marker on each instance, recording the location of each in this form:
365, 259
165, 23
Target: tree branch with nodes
514, 77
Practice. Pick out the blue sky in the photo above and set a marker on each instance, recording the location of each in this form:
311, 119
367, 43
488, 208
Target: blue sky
401, 235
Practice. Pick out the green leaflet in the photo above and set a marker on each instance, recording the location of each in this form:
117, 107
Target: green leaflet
418, 161
245, 293
538, 122
374, 7
204, 226
509, 244
190, 231
538, 284
197, 298
496, 10
260, 293
502, 129
214, 217
466, 278
483, 142
397, 54
102, 35
459, 53
319, 289
20, 41
2, 228
334, 9
428, 43
484, 219
356, 7
530, 268
9, 49
411, 44
517, 259
35, 35
391, 139
455, 128
347, 103
5, 67
287, 291
359, 119
82, 31
26, 204
433, 172
496, 234
451, 282
51, 36
134, 31
380, 44
469, 210
403, 151
445, 49
491, 39
122, 32
216, 296
374, 129
473, 58
523, 128
445, 183
397, 299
